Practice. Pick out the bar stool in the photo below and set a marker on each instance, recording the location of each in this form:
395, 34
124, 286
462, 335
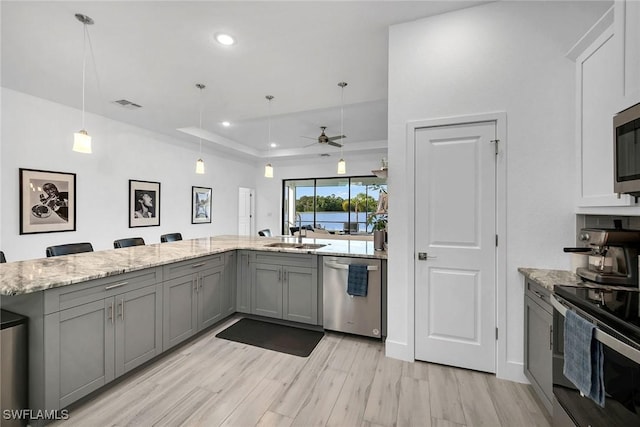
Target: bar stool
171, 237
68, 249
2, 258
125, 243
265, 233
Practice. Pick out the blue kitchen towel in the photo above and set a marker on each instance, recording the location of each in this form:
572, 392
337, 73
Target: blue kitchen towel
358, 281
583, 357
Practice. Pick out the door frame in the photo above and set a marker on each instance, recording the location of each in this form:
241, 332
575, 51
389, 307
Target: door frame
504, 367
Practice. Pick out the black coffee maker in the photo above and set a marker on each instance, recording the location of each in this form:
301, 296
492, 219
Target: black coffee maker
613, 259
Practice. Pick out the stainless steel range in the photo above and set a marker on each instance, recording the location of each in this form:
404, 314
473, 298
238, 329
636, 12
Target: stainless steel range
614, 310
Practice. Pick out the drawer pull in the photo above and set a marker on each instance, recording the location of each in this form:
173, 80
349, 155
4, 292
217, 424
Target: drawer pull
538, 294
197, 265
117, 285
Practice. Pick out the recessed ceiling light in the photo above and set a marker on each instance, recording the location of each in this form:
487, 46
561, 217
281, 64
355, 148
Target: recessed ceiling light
225, 39
226, 124
273, 145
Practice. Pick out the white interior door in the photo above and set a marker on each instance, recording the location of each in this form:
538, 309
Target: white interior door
246, 212
455, 229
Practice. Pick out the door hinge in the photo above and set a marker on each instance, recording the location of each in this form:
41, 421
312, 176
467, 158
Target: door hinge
496, 240
496, 141
496, 334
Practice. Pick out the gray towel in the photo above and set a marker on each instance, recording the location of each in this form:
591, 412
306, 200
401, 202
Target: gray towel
583, 357
358, 280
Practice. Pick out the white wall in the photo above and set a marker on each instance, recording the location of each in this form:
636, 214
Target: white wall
503, 56
38, 134
269, 190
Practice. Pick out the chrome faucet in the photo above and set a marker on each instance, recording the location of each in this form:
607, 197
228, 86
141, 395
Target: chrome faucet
299, 219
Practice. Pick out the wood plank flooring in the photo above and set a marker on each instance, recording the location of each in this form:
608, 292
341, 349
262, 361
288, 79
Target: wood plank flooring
347, 381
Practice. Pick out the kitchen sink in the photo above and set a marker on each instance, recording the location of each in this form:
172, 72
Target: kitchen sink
289, 245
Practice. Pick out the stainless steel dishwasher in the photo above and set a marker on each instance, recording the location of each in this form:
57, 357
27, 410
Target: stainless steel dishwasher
353, 314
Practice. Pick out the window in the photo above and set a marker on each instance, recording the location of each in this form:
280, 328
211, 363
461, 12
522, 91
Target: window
338, 205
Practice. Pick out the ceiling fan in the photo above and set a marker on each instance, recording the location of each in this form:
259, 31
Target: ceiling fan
324, 139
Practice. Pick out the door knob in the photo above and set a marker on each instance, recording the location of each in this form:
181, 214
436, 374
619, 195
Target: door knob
423, 256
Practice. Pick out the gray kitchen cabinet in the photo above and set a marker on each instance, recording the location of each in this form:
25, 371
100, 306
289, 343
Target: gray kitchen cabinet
179, 315
267, 290
93, 342
193, 297
209, 294
538, 341
243, 282
229, 287
285, 287
138, 327
79, 345
300, 294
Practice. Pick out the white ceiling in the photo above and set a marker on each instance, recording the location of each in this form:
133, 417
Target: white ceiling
154, 52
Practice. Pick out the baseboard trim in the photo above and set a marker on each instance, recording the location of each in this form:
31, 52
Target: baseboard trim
512, 371
398, 350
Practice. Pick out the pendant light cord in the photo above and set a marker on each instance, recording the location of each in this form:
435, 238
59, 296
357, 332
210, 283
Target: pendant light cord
342, 119
84, 66
201, 103
269, 98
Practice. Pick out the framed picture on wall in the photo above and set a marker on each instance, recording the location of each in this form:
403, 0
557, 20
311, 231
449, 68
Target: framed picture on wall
144, 203
200, 205
47, 201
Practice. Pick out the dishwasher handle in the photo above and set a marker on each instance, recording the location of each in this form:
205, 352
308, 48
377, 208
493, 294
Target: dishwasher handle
346, 266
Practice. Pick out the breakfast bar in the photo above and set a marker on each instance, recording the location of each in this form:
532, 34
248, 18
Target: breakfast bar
96, 316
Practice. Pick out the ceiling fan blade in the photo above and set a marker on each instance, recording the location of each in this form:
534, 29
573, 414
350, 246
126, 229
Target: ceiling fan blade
309, 137
335, 144
333, 138
309, 145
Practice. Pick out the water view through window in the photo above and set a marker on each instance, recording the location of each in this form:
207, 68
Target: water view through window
337, 205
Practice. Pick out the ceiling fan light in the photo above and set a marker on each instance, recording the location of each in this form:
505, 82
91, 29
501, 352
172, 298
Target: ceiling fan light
342, 167
268, 171
82, 142
200, 167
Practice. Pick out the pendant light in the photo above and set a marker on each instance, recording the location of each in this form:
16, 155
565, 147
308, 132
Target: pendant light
268, 169
342, 165
200, 162
81, 139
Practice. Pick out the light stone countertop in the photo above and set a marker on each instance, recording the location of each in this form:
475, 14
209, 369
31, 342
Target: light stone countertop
23, 277
548, 278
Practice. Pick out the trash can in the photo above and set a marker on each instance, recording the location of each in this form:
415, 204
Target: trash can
13, 369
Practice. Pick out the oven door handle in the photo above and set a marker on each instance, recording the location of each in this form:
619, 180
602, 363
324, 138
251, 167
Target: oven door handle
603, 337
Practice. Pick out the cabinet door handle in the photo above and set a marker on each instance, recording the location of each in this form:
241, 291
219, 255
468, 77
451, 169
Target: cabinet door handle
117, 285
197, 265
538, 294
194, 282
111, 313
201, 279
279, 275
550, 337
122, 302
286, 276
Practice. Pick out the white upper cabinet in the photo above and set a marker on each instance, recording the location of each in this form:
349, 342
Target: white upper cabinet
627, 24
607, 77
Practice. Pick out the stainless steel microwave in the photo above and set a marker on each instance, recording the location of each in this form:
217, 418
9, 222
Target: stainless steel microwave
626, 156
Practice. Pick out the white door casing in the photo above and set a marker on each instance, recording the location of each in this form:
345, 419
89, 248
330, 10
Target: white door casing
246, 212
455, 225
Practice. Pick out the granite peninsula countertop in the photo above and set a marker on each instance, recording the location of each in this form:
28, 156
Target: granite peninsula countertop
23, 277
548, 278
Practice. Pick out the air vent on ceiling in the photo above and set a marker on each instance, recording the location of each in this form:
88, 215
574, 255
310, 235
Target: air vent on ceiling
325, 155
127, 104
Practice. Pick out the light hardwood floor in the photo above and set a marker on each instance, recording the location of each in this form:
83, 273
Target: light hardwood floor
346, 381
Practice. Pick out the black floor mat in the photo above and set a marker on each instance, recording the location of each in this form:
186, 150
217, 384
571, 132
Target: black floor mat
285, 339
